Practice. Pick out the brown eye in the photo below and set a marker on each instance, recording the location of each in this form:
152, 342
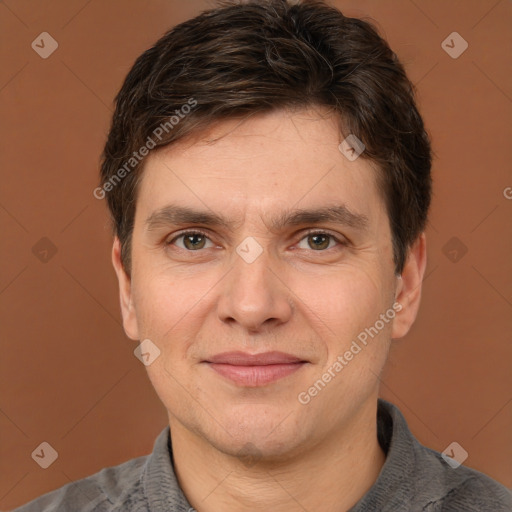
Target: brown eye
320, 241
192, 240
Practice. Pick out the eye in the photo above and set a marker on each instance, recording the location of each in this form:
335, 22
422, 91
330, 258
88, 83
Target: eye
192, 240
196, 240
320, 240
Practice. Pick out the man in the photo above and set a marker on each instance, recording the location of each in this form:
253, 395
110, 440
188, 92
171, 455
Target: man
268, 176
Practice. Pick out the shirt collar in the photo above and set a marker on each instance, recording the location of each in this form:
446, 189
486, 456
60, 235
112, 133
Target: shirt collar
160, 485
391, 490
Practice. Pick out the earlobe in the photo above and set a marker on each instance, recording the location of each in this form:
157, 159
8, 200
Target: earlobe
125, 293
408, 290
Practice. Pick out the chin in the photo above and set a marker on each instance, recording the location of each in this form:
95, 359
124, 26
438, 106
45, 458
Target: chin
258, 449
257, 432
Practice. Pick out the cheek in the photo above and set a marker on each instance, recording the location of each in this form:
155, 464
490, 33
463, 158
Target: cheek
341, 303
169, 310
167, 306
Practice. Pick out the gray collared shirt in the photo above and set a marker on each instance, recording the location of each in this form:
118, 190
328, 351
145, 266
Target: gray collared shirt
414, 478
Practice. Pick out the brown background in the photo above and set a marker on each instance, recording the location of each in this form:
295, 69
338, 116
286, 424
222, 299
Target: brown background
68, 373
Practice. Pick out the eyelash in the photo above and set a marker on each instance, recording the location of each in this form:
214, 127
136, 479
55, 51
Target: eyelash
308, 233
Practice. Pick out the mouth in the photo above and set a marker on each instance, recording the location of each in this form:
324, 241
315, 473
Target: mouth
253, 370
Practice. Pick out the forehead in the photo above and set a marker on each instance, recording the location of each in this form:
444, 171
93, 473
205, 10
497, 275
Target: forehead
260, 167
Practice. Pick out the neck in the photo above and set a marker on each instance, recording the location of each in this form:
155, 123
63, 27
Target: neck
335, 473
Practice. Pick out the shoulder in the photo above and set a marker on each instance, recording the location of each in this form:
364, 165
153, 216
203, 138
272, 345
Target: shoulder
416, 477
461, 488
111, 489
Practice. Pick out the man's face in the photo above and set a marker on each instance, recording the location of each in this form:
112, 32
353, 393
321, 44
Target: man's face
256, 285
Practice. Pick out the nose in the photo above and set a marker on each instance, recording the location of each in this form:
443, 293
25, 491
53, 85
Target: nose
254, 295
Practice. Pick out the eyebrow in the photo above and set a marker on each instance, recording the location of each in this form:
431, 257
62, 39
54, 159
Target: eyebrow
176, 215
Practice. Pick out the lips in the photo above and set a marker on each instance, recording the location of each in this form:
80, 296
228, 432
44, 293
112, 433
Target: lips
243, 359
252, 370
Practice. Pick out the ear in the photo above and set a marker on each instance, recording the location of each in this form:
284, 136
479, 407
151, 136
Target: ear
408, 292
125, 293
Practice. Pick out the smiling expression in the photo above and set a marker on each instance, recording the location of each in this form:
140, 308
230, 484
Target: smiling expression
259, 253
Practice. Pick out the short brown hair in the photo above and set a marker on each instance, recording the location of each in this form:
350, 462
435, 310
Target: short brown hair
262, 55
